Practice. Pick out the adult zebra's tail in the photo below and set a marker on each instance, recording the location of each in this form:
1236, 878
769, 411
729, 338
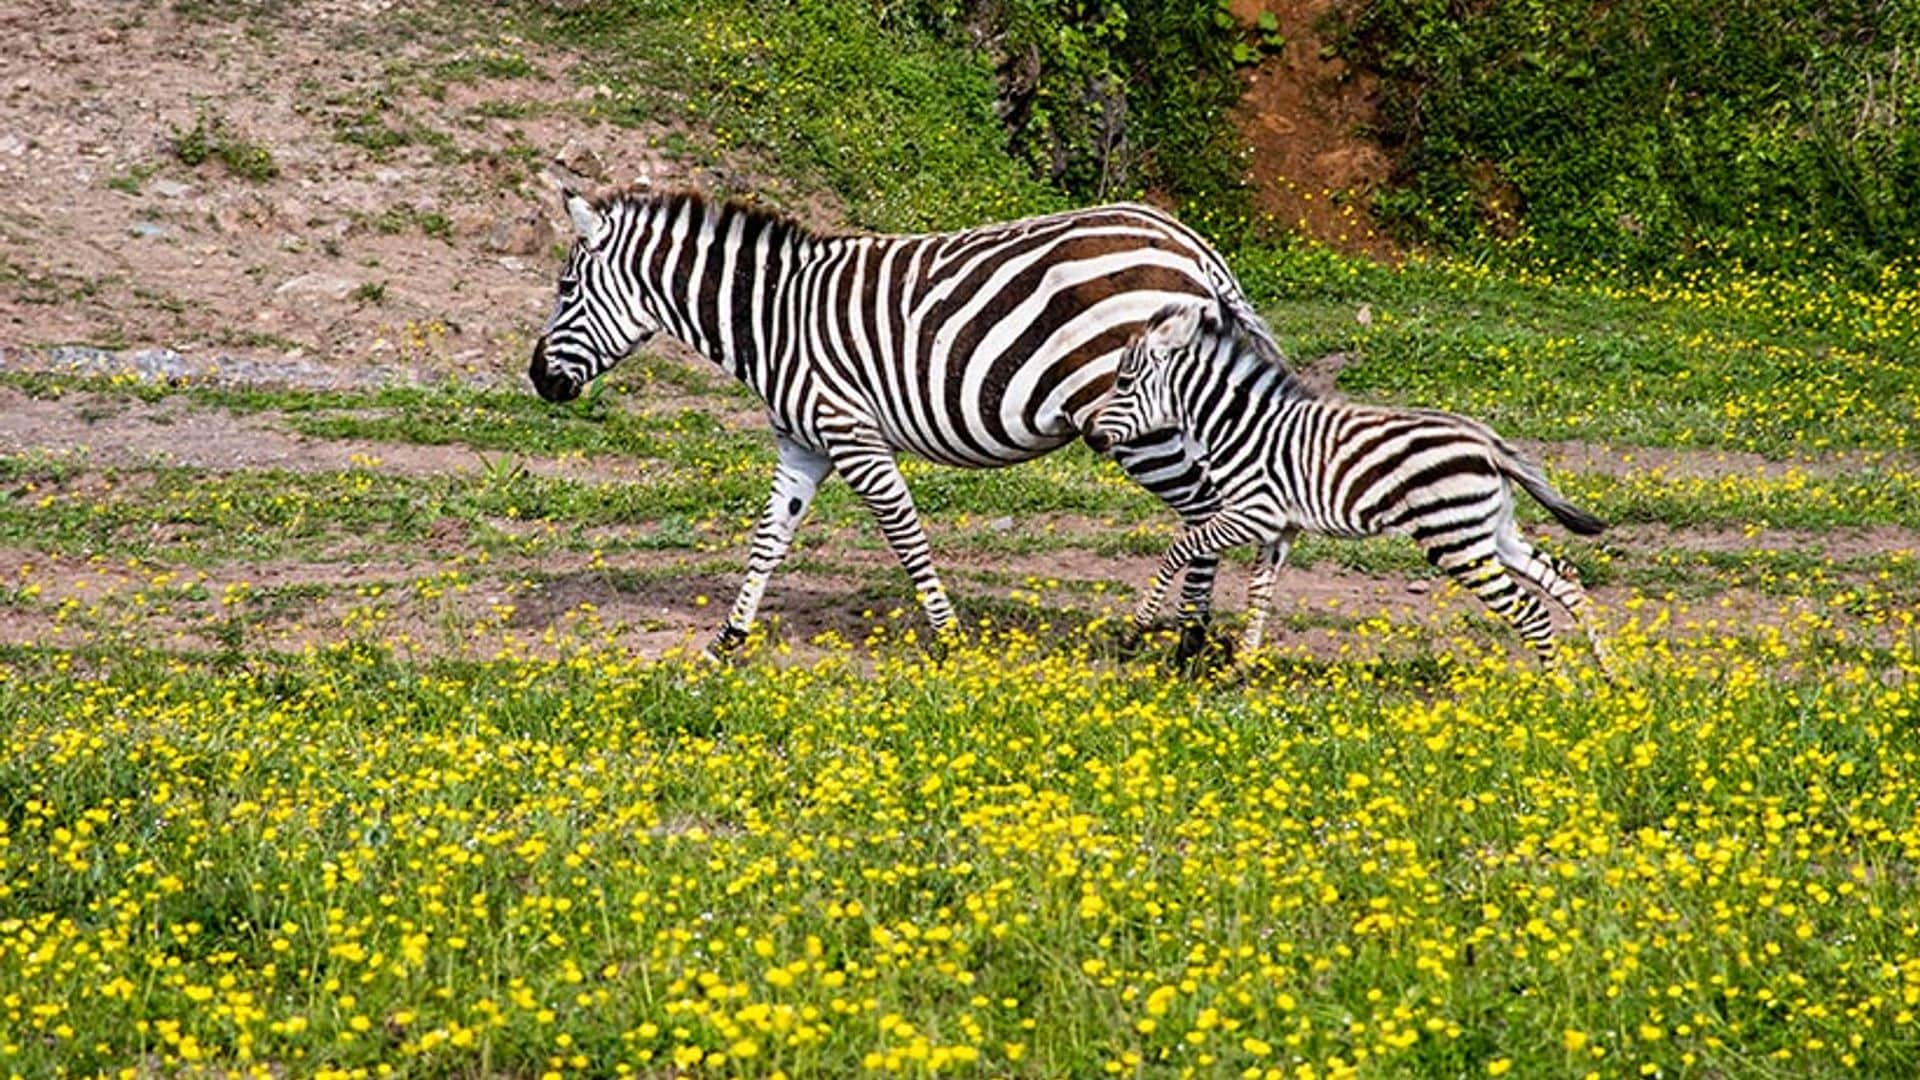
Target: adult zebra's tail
1524, 471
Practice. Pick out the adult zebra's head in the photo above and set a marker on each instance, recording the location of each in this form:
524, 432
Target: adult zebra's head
1143, 398
597, 316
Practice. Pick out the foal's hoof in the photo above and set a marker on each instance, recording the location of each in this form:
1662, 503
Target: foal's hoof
940, 645
1130, 641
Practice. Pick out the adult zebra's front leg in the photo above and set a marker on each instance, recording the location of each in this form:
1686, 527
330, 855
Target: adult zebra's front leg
867, 463
1163, 463
795, 479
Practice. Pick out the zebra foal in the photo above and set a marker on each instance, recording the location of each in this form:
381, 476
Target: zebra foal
976, 349
1285, 460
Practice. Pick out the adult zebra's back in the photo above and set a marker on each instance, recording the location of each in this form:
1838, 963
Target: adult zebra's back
976, 349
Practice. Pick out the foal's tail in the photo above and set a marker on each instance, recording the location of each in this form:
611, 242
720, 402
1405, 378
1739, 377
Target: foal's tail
1526, 472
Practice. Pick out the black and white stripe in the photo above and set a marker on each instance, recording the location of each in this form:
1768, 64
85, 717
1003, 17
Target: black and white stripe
976, 349
1286, 460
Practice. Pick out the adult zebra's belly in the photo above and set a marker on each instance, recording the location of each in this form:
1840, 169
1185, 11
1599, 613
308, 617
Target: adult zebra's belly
965, 458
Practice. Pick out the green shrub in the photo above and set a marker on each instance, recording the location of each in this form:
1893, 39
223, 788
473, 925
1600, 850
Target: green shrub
1780, 131
1107, 98
898, 123
936, 113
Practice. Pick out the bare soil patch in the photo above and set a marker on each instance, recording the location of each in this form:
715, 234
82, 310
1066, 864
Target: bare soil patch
400, 225
386, 218
120, 432
1305, 118
438, 602
1622, 461
1836, 544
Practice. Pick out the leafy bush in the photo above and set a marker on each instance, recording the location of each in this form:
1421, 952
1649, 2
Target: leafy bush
932, 113
900, 124
1778, 131
1108, 98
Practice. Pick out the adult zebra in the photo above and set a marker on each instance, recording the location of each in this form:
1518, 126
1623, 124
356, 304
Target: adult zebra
976, 349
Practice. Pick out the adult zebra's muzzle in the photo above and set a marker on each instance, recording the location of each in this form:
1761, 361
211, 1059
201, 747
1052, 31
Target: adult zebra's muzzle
552, 387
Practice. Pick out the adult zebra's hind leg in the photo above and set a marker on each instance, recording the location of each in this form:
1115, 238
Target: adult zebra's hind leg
1164, 463
870, 470
795, 480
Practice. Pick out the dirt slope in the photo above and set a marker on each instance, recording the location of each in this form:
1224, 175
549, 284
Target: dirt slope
333, 182
1305, 117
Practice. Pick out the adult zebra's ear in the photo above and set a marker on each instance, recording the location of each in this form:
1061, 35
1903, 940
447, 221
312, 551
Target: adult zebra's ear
1175, 327
589, 222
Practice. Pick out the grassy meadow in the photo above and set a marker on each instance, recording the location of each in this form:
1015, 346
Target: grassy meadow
359, 733
266, 814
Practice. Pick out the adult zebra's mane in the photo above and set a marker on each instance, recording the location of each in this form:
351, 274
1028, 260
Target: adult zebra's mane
774, 222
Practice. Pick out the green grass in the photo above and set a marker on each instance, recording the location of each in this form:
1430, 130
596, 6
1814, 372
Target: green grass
900, 124
1766, 366
213, 138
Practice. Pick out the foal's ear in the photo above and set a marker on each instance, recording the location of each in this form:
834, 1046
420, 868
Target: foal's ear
1174, 327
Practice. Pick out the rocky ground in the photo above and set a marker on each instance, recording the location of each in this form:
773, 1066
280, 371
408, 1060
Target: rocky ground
335, 185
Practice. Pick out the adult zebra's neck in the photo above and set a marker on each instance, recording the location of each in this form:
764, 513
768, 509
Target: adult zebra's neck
708, 272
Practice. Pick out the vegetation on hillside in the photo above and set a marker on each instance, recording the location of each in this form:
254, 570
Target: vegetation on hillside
1782, 132
937, 113
1788, 136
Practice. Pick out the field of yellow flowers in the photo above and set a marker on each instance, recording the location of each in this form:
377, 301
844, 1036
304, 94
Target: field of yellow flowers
387, 770
1018, 860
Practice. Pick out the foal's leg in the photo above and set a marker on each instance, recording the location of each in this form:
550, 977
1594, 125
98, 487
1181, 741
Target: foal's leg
1219, 532
1260, 593
1164, 463
1477, 567
1557, 580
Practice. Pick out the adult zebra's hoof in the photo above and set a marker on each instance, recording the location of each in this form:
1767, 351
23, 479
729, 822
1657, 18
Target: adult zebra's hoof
1202, 652
725, 644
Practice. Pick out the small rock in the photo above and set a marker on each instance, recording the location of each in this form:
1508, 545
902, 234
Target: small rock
12, 145
147, 230
169, 189
1001, 524
1364, 316
322, 285
513, 264
243, 215
527, 234
581, 159
471, 221
1418, 588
